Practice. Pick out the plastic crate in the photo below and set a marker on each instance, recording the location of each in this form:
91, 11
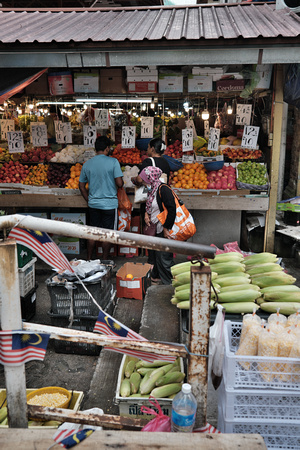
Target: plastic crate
24, 255
81, 324
83, 305
28, 304
27, 277
259, 404
263, 373
277, 434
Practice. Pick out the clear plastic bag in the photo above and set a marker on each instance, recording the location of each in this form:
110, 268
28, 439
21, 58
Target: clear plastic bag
216, 348
160, 421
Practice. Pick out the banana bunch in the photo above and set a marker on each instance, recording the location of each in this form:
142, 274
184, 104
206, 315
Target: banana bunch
159, 379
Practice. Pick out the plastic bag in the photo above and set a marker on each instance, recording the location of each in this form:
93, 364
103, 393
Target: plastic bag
123, 200
140, 194
216, 348
160, 422
124, 221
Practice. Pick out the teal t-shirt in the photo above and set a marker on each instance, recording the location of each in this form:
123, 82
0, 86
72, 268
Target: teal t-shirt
100, 173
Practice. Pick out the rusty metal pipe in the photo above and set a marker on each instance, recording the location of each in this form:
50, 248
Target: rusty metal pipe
102, 234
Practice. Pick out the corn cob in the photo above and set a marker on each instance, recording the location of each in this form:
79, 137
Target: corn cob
263, 268
130, 366
125, 388
51, 423
272, 279
182, 278
156, 363
182, 287
283, 288
259, 300
165, 369
226, 257
282, 296
3, 413
165, 391
232, 281
173, 377
260, 258
174, 300
135, 381
147, 387
286, 308
146, 377
183, 267
238, 296
233, 275
240, 287
139, 395
229, 267
184, 304
239, 307
143, 370
183, 295
5, 421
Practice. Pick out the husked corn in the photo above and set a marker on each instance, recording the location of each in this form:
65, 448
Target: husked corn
295, 353
286, 340
249, 344
51, 399
267, 346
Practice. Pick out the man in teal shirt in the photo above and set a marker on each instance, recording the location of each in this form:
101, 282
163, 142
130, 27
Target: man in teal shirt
104, 176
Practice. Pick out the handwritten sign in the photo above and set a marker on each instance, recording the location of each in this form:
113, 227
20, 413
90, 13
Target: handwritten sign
63, 132
112, 129
190, 124
15, 142
213, 140
128, 137
101, 119
89, 135
163, 133
38, 132
188, 159
6, 125
243, 114
206, 129
250, 136
147, 124
187, 140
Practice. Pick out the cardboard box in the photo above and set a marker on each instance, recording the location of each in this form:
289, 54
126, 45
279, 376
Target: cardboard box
39, 86
230, 85
170, 82
144, 72
112, 81
265, 72
137, 287
86, 82
60, 83
147, 87
68, 245
200, 83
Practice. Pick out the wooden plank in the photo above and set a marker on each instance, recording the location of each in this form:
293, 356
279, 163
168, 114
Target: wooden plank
33, 439
269, 241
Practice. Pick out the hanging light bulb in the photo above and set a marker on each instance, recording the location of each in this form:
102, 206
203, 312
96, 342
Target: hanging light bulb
205, 114
229, 109
152, 105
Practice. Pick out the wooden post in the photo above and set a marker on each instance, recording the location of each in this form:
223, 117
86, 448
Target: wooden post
11, 319
269, 241
198, 339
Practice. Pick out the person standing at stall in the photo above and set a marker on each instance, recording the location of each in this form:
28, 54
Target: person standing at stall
159, 194
104, 176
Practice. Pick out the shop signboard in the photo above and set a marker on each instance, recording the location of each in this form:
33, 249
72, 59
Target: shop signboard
6, 125
101, 119
213, 140
38, 133
128, 137
63, 132
15, 142
243, 114
250, 137
89, 135
230, 85
187, 140
147, 127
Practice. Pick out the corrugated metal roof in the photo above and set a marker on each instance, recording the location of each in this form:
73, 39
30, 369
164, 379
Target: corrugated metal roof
223, 21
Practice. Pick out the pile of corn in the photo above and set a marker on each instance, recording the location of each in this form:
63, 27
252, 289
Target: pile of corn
159, 379
49, 399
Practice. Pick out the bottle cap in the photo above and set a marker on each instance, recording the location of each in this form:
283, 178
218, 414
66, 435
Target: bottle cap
186, 388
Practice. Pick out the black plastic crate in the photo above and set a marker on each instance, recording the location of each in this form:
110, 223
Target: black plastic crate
81, 324
291, 218
28, 304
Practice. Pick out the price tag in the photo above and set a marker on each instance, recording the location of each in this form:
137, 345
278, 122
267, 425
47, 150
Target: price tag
213, 140
190, 124
187, 140
112, 129
250, 136
38, 132
6, 125
101, 119
188, 159
128, 137
147, 127
89, 135
15, 142
206, 129
63, 132
243, 114
163, 133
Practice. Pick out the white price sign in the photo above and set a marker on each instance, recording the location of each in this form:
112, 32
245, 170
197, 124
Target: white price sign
187, 140
213, 140
243, 114
190, 124
63, 132
128, 137
101, 119
6, 125
188, 159
15, 142
38, 133
250, 136
89, 135
147, 124
163, 133
112, 129
206, 129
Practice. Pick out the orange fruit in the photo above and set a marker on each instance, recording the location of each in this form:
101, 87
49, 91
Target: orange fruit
129, 276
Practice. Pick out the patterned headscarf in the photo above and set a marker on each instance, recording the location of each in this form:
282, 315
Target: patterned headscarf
151, 175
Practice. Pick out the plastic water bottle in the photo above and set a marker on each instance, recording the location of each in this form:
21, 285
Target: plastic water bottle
184, 408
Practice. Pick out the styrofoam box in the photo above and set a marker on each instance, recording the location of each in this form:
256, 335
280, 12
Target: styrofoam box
140, 78
261, 372
271, 404
170, 82
200, 83
131, 406
265, 72
277, 434
86, 82
27, 277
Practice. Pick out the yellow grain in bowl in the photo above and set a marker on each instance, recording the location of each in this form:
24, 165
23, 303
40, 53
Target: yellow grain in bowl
53, 396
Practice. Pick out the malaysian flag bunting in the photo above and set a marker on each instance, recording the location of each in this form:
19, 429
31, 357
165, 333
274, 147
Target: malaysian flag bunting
18, 347
207, 429
111, 327
67, 438
41, 244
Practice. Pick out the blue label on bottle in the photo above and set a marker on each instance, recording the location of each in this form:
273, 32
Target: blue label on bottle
183, 421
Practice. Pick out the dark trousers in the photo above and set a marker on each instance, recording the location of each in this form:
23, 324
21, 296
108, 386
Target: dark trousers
163, 261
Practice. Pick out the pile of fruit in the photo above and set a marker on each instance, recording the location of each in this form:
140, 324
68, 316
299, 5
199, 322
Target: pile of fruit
207, 153
37, 175
160, 379
191, 176
13, 172
241, 153
36, 155
73, 182
174, 150
224, 178
127, 155
58, 174
252, 173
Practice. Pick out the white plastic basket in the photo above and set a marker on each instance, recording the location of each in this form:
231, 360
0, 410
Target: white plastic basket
27, 277
262, 372
259, 404
277, 434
